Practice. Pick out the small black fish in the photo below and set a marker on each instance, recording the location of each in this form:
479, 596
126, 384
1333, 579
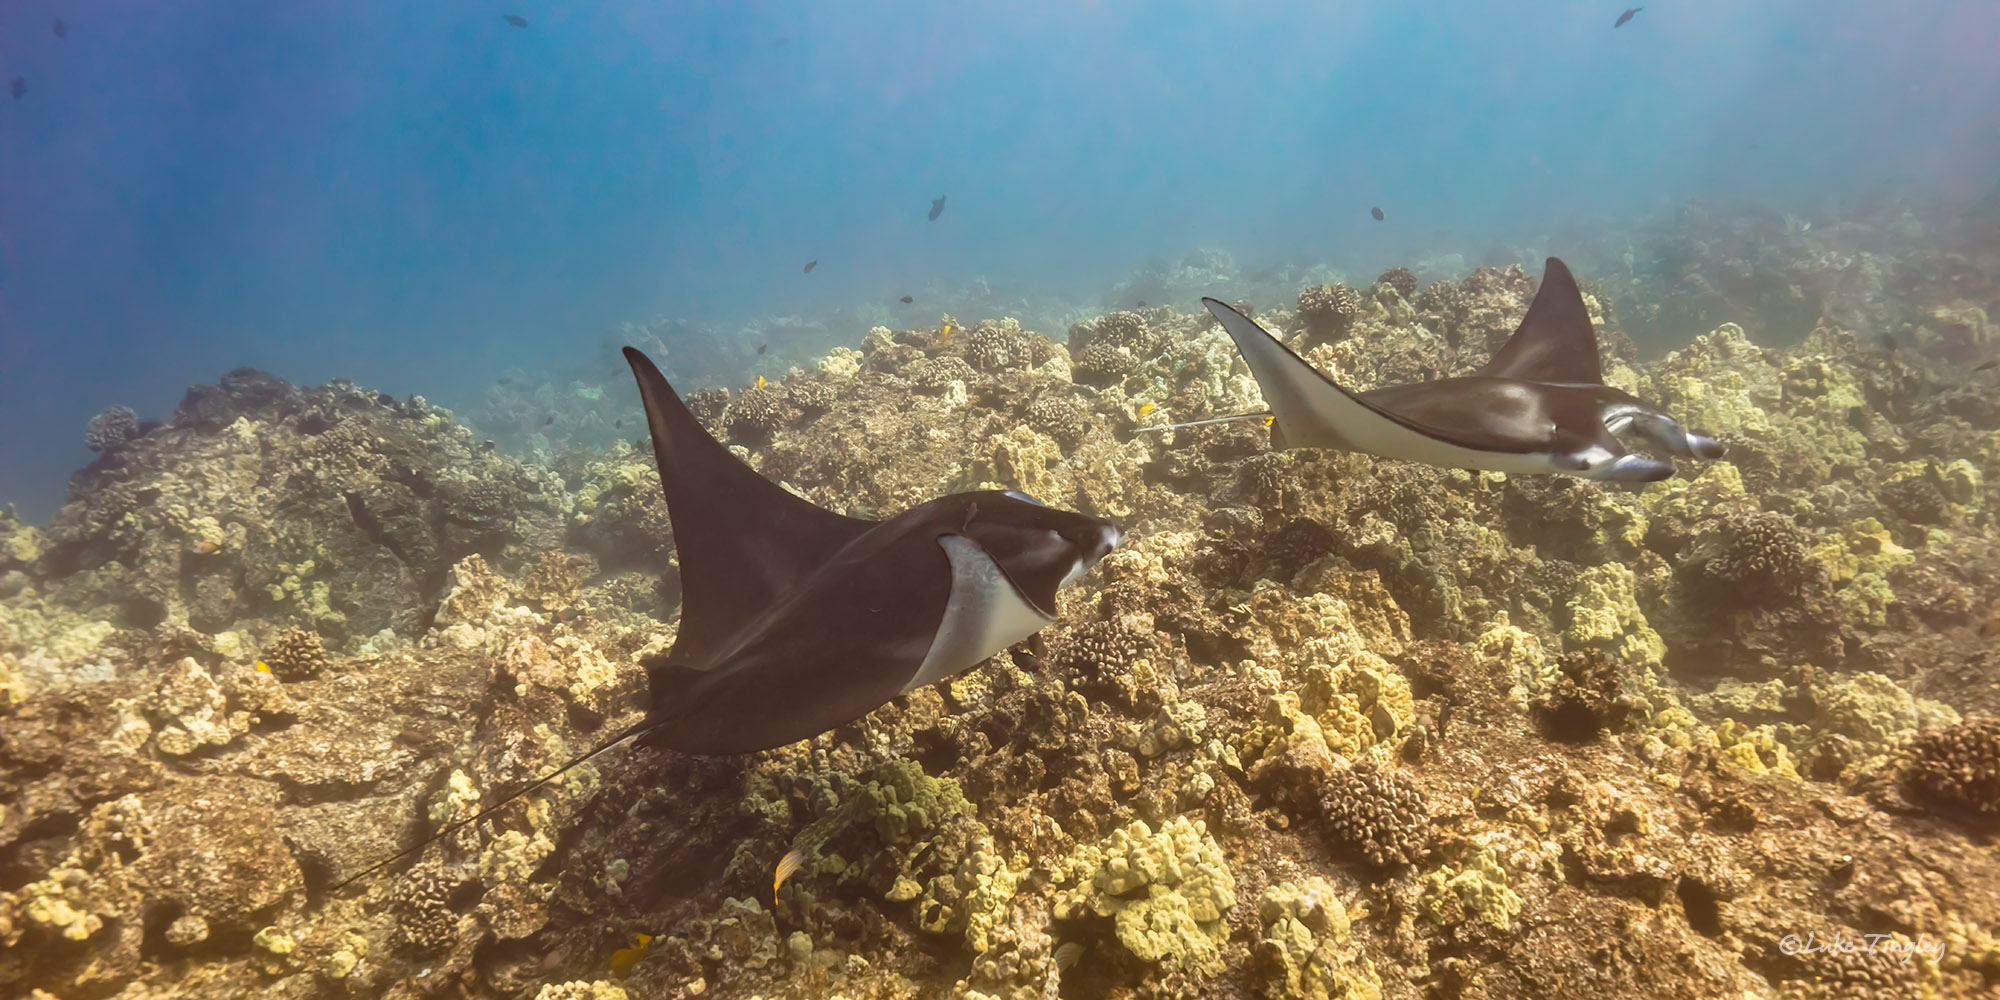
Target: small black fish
1987, 366
937, 208
61, 29
19, 87
1142, 303
485, 446
1377, 213
504, 380
761, 348
906, 300
517, 20
1627, 16
810, 265
551, 422
618, 425
1890, 343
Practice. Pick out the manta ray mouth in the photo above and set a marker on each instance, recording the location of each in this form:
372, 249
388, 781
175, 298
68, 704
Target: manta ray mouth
1109, 537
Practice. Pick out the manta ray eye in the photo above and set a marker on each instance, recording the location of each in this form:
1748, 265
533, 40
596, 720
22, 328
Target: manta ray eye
1024, 498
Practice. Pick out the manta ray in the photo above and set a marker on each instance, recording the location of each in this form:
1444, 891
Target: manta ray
795, 620
1539, 406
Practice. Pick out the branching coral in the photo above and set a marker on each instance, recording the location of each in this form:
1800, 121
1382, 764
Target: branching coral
1957, 769
708, 406
994, 346
1059, 417
1126, 330
1103, 363
1444, 299
1098, 658
295, 655
111, 428
1375, 812
1758, 557
1400, 279
422, 905
756, 415
937, 374
1916, 499
1329, 310
811, 395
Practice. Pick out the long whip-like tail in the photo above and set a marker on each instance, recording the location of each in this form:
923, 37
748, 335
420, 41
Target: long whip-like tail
638, 730
1203, 423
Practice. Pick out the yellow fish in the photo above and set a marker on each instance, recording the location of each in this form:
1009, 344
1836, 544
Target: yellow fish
791, 863
264, 667
760, 381
624, 959
1145, 409
1268, 421
1068, 955
944, 335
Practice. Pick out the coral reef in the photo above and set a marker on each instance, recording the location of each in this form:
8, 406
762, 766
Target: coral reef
755, 415
1329, 310
994, 346
1957, 769
1374, 812
1325, 727
295, 655
111, 428
1402, 280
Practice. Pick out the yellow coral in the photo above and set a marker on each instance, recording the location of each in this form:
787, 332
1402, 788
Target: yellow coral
1479, 889
1187, 891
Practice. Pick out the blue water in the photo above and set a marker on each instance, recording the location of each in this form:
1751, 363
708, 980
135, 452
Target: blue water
418, 195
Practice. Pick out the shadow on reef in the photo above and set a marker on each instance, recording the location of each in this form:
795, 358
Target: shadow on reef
1325, 727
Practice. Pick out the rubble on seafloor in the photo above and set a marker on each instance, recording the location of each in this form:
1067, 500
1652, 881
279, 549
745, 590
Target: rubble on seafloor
1326, 727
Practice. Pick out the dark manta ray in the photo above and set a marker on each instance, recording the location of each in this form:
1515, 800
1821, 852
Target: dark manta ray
796, 619
1539, 406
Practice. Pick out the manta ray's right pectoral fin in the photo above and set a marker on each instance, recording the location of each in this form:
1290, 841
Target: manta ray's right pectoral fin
1596, 453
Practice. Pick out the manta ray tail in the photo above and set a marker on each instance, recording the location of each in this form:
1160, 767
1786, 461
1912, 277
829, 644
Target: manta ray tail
641, 729
1204, 423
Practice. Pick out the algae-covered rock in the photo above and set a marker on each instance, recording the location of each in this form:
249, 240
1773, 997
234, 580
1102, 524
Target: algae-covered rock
1167, 893
193, 711
582, 990
1874, 710
1475, 890
1306, 950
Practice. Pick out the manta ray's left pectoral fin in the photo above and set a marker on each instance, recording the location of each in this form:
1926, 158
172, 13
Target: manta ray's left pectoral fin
1666, 432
